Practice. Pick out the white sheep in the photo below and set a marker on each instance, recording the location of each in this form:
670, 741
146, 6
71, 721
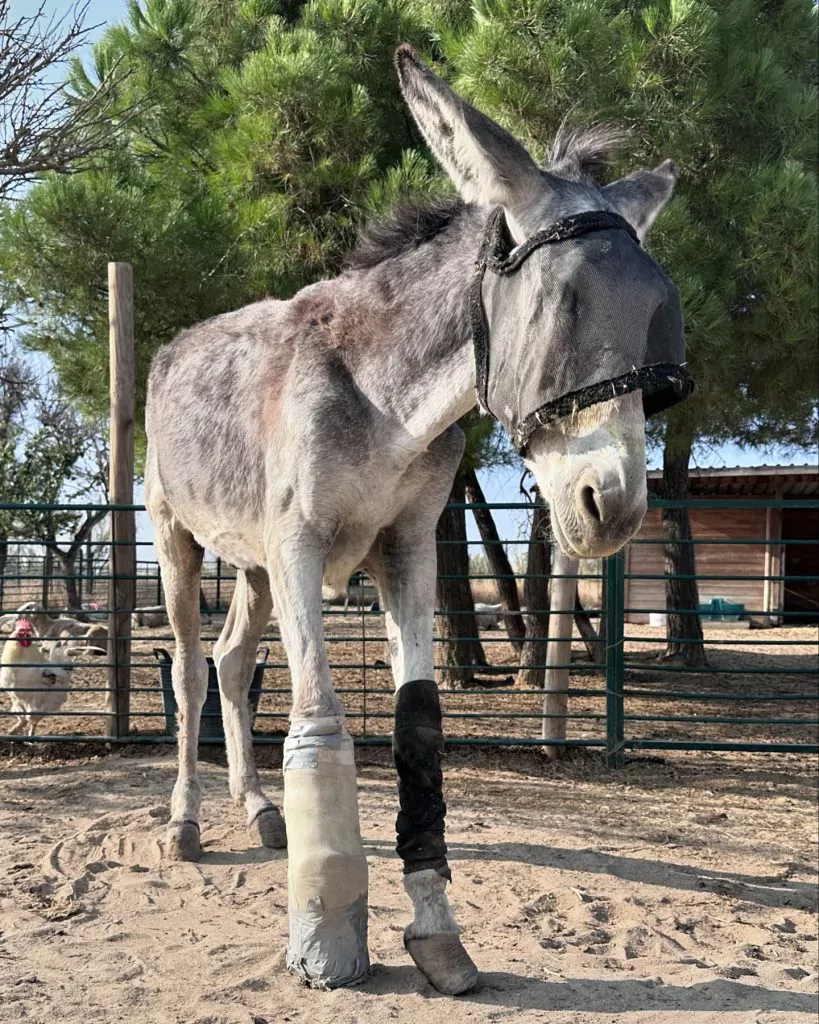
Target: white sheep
150, 617
93, 641
93, 611
36, 689
45, 626
488, 616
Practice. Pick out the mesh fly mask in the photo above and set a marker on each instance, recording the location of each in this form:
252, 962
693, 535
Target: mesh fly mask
591, 318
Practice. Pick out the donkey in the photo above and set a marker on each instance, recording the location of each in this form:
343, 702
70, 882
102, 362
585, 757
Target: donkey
304, 439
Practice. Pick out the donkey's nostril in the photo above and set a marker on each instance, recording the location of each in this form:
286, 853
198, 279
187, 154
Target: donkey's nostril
589, 501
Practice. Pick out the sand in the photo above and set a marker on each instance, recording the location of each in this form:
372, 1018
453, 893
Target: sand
681, 889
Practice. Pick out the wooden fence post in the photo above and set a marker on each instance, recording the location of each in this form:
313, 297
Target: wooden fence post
122, 562
559, 651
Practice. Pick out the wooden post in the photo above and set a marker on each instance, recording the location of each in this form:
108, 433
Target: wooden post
767, 570
121, 492
559, 651
773, 590
778, 566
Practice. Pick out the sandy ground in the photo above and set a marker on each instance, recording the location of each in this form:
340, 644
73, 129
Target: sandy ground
680, 889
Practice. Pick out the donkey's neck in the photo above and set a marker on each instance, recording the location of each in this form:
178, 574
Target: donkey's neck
419, 368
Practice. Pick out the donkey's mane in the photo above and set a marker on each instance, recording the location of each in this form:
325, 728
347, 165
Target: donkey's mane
407, 226
581, 152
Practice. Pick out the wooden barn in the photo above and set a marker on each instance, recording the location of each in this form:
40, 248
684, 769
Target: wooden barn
769, 599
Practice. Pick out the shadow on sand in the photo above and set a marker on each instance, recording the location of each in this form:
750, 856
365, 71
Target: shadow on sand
501, 988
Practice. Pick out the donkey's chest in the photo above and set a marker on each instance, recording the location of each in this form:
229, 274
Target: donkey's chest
358, 528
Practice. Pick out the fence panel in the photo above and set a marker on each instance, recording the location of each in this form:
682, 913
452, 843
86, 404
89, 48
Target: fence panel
757, 692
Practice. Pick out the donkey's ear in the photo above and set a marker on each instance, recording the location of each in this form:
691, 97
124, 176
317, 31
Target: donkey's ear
640, 196
485, 163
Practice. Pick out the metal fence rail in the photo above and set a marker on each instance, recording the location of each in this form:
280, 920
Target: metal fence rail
758, 690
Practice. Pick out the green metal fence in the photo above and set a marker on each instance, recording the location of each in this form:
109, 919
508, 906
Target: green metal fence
757, 692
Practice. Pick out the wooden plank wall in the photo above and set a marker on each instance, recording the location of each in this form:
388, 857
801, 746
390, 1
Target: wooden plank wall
731, 559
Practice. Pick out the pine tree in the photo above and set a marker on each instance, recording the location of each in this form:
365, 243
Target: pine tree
259, 136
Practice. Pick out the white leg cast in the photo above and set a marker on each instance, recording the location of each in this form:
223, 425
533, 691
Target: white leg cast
235, 656
405, 566
180, 559
327, 869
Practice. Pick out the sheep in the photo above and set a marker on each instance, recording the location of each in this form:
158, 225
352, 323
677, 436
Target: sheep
27, 679
45, 626
93, 641
149, 617
488, 616
93, 611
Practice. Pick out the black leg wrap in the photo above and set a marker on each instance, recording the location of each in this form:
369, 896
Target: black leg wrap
417, 744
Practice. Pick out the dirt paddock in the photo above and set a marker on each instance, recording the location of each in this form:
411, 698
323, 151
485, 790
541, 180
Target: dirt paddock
680, 889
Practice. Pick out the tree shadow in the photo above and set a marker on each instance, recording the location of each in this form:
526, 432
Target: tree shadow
589, 995
765, 891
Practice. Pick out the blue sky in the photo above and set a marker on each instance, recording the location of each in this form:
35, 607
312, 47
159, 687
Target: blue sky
500, 485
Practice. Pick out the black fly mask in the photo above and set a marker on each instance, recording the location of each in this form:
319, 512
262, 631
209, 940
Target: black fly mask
577, 314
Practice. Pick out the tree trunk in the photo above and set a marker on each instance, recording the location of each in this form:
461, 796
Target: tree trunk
532, 669
67, 561
48, 564
683, 626
594, 640
4, 557
461, 651
69, 569
499, 562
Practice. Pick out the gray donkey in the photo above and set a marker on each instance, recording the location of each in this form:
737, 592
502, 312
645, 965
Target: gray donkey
303, 440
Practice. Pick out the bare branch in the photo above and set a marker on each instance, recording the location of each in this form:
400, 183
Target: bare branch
42, 128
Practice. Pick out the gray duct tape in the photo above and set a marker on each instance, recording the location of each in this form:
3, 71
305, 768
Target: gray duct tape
306, 752
320, 739
327, 869
332, 945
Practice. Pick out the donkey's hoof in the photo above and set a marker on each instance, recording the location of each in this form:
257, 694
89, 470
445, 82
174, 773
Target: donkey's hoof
183, 841
269, 826
445, 962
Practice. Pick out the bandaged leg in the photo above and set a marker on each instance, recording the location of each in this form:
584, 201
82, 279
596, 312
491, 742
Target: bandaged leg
432, 939
327, 870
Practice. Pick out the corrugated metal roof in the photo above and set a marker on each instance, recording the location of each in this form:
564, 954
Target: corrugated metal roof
748, 481
762, 470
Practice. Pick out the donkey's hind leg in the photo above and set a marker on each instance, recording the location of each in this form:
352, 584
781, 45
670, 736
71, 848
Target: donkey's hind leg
235, 656
180, 559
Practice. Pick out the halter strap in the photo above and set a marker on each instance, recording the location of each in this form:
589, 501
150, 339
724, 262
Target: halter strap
498, 255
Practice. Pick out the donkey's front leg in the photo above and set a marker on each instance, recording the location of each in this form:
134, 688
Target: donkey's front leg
327, 869
406, 572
